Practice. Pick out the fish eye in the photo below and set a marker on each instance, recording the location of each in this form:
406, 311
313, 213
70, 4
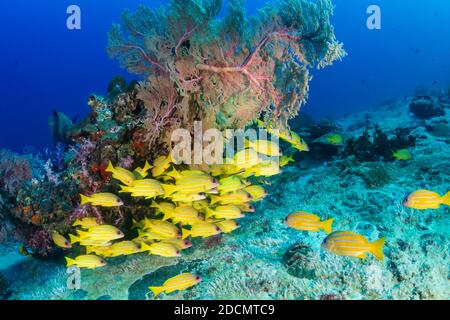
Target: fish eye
197, 278
119, 233
218, 229
178, 251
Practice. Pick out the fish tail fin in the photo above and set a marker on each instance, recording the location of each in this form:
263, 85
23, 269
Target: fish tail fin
209, 213
147, 166
327, 226
124, 189
74, 239
70, 262
446, 199
377, 248
166, 216
144, 247
215, 199
110, 167
84, 199
156, 290
89, 250
168, 189
185, 233
154, 204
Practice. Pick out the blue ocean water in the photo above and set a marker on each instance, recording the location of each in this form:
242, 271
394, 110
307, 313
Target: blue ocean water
47, 67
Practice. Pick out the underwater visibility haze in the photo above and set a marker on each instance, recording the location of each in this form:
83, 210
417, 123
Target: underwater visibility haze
331, 145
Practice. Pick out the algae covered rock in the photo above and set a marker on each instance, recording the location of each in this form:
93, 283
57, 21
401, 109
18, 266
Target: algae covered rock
426, 107
299, 261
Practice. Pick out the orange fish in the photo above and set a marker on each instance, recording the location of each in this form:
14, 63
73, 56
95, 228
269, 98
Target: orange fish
425, 199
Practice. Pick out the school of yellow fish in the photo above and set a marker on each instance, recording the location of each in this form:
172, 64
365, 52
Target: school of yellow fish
189, 203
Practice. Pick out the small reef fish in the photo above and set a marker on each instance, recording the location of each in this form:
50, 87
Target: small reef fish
305, 221
85, 223
285, 160
191, 185
335, 139
228, 226
183, 214
161, 165
165, 208
180, 282
99, 234
86, 261
230, 184
402, 155
265, 147
245, 159
201, 229
100, 251
161, 249
103, 199
237, 197
121, 174
61, 241
147, 188
122, 248
344, 243
23, 251
425, 199
185, 174
246, 207
182, 197
265, 169
143, 172
256, 192
178, 243
149, 235
224, 212
163, 228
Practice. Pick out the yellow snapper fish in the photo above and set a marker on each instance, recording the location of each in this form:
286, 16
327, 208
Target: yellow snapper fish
123, 175
245, 159
237, 197
306, 221
201, 229
143, 172
180, 282
148, 188
97, 250
149, 235
426, 199
285, 160
344, 243
266, 169
402, 155
224, 212
85, 223
228, 226
178, 243
86, 261
200, 205
163, 228
335, 139
182, 197
102, 234
230, 184
60, 241
123, 248
161, 249
256, 192
165, 208
185, 173
191, 185
103, 199
183, 214
161, 165
245, 207
265, 147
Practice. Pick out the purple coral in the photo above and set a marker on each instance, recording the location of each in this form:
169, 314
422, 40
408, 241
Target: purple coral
40, 242
14, 170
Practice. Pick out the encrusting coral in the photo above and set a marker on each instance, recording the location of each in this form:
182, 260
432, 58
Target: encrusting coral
225, 71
